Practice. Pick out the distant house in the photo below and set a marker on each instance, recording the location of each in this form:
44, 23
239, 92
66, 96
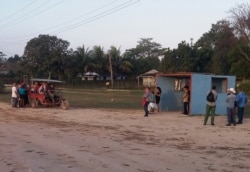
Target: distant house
199, 84
148, 78
90, 76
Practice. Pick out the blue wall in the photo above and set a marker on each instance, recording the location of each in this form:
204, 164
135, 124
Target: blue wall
200, 85
170, 100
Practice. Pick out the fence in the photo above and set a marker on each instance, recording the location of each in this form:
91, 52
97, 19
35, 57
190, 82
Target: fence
85, 84
117, 84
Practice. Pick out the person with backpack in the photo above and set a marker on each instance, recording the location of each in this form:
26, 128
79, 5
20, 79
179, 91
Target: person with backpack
211, 105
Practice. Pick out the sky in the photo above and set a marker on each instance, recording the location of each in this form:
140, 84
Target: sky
105, 23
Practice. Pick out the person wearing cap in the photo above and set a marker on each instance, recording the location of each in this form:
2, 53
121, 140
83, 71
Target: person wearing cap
241, 101
230, 100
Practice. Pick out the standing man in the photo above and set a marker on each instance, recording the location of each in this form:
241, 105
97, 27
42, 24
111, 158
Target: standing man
241, 101
230, 100
185, 100
211, 105
14, 95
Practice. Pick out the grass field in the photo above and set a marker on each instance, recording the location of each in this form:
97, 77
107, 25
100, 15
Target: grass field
119, 99
96, 98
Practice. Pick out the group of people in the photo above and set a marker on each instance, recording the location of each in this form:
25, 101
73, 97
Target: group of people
151, 100
20, 92
234, 102
44, 88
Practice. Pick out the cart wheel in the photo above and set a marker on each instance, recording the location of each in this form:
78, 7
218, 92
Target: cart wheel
34, 103
65, 105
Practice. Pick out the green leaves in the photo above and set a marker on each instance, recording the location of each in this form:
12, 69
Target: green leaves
44, 56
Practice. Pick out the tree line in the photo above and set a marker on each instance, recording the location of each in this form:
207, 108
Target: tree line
224, 49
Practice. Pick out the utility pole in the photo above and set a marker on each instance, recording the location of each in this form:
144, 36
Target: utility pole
111, 71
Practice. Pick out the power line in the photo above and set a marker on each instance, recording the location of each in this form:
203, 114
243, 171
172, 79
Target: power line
86, 14
71, 20
96, 17
6, 18
83, 22
23, 16
26, 16
64, 23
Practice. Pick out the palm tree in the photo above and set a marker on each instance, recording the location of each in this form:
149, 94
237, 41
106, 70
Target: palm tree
119, 64
84, 58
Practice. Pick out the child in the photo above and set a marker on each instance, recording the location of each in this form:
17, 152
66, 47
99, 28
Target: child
147, 98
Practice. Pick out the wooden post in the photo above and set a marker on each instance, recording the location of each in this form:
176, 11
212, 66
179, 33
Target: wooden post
111, 71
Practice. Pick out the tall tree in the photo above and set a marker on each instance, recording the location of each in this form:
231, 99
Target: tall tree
214, 47
120, 65
44, 55
181, 59
240, 16
145, 55
98, 61
225, 41
1, 60
83, 60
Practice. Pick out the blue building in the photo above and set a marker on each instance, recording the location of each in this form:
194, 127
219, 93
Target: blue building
199, 84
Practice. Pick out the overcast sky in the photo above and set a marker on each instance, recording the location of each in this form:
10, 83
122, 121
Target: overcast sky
120, 23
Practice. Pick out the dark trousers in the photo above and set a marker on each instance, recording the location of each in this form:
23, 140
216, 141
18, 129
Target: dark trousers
146, 109
231, 115
186, 108
25, 98
14, 102
240, 114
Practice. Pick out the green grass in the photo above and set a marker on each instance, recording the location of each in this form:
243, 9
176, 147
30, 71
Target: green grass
103, 98
96, 98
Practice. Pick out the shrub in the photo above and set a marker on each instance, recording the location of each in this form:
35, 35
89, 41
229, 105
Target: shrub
245, 86
1, 86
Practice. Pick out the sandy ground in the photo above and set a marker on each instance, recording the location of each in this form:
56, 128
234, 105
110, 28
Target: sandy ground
90, 140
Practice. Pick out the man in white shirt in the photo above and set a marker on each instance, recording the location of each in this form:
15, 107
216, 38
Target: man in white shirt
14, 95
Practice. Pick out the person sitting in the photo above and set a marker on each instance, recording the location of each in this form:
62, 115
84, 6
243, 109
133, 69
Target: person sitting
43, 88
51, 92
37, 86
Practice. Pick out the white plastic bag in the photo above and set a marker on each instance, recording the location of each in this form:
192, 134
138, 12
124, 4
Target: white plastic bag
152, 107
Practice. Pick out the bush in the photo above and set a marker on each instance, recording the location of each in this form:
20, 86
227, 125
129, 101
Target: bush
245, 86
1, 86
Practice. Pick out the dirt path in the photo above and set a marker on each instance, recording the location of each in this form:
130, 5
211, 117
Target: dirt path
89, 140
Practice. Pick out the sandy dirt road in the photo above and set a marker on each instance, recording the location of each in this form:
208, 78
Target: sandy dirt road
90, 140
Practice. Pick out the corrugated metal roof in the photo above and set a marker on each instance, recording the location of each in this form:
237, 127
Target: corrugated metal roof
150, 73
